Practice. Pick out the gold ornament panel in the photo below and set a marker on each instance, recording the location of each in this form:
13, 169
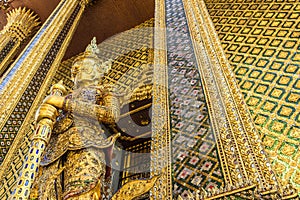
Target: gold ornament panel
261, 42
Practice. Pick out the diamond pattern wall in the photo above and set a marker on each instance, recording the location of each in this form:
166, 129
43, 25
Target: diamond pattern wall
261, 41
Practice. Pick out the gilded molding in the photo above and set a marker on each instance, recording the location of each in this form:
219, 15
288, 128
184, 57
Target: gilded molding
15, 84
15, 87
161, 142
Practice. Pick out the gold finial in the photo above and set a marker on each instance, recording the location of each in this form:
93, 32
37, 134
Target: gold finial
21, 22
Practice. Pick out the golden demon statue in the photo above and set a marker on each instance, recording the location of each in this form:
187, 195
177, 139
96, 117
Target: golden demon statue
73, 165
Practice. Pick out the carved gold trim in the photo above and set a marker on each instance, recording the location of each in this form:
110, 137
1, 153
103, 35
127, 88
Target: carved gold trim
8, 58
161, 142
134, 189
3, 38
218, 194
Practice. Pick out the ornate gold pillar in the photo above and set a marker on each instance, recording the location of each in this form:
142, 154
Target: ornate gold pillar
26, 83
199, 113
161, 158
21, 24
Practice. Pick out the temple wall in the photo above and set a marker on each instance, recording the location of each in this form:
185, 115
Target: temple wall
261, 42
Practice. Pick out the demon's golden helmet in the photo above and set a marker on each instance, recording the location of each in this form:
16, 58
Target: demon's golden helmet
88, 65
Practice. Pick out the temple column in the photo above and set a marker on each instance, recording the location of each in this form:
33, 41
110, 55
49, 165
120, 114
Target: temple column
25, 84
202, 128
21, 24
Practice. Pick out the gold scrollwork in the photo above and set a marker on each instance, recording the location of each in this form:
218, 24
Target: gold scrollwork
135, 189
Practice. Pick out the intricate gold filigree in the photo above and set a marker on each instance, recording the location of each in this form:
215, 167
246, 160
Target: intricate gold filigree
261, 51
135, 189
13, 161
161, 135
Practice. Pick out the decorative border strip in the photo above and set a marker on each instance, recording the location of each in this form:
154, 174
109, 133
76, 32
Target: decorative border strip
7, 53
195, 161
161, 143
